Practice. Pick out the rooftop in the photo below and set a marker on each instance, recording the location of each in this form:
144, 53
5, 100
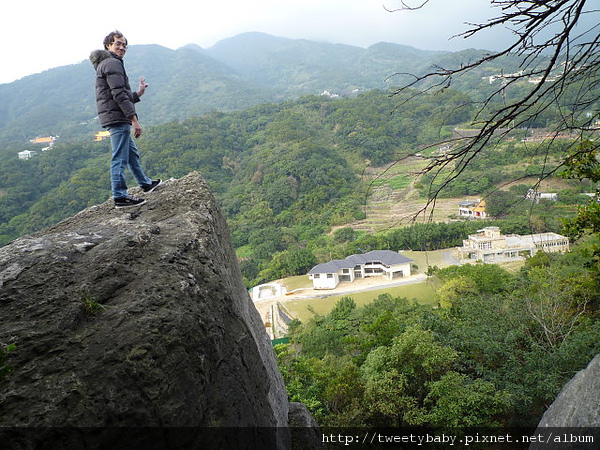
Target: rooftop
386, 257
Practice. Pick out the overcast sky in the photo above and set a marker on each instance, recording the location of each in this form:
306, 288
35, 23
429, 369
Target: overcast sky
42, 34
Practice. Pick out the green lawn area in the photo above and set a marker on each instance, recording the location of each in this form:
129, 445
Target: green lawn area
420, 292
300, 281
425, 259
397, 182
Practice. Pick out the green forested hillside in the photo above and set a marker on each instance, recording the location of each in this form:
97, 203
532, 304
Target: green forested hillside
500, 345
183, 83
55, 102
301, 160
285, 173
234, 74
495, 354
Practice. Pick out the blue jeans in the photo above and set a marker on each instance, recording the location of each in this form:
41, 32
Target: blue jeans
124, 154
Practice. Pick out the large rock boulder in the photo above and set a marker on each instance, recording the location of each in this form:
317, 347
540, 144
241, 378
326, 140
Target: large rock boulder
574, 416
138, 318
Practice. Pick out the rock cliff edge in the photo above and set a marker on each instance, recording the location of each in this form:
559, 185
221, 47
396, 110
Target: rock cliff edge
573, 420
136, 318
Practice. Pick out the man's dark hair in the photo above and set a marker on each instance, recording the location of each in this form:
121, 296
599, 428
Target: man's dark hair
111, 38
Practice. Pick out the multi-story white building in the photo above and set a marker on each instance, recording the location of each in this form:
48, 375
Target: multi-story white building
489, 245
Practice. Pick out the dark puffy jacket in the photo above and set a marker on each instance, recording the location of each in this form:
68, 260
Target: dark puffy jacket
114, 99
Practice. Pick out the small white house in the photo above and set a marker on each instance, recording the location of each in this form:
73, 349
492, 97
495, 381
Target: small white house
27, 154
536, 196
375, 263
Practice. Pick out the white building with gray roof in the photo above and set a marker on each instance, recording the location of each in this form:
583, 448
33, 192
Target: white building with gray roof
384, 263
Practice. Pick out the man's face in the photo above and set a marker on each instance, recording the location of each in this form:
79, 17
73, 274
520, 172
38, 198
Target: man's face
119, 46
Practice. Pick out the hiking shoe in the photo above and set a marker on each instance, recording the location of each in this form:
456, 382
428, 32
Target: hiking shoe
150, 187
124, 202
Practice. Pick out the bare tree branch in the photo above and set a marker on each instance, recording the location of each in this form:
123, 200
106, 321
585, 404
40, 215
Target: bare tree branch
556, 51
555, 310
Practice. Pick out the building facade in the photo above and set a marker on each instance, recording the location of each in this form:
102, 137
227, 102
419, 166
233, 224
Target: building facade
472, 209
26, 154
384, 263
49, 140
489, 245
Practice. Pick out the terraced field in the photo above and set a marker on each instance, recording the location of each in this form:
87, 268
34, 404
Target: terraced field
393, 200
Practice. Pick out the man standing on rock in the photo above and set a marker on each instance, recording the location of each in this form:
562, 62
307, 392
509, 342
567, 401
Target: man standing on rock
116, 111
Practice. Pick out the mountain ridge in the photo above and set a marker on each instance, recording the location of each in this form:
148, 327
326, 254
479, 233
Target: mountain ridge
235, 73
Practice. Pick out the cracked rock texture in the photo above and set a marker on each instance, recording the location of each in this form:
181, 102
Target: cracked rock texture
578, 404
573, 420
137, 317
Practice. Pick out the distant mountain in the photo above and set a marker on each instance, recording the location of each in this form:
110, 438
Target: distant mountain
299, 67
235, 73
188, 82
183, 83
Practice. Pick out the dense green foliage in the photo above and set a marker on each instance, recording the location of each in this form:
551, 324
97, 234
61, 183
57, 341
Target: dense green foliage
584, 165
37, 193
497, 349
497, 352
284, 174
236, 73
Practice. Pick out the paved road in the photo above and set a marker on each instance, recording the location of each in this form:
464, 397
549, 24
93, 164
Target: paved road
448, 258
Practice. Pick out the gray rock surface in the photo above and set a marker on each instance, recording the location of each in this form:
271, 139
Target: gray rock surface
137, 317
578, 404
306, 434
573, 419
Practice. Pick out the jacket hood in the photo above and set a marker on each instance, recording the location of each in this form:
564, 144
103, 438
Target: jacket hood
97, 56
